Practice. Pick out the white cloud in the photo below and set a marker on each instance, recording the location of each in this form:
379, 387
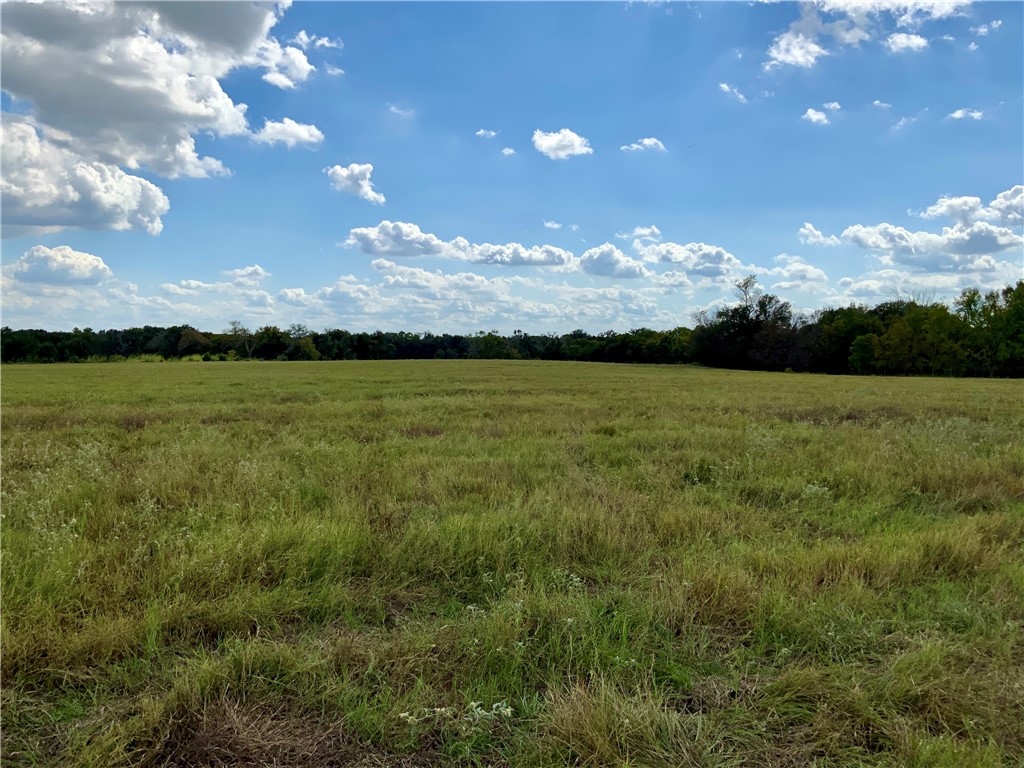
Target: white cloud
402, 239
726, 88
288, 132
881, 104
287, 67
396, 238
355, 179
794, 49
304, 40
903, 122
128, 86
1007, 208
811, 236
983, 29
711, 261
651, 233
561, 145
507, 151
815, 116
972, 46
968, 244
47, 186
58, 266
889, 282
333, 71
956, 245
832, 106
642, 145
552, 224
794, 273
113, 88
483, 133
965, 114
400, 111
901, 41
511, 254
250, 276
608, 261
851, 22
907, 13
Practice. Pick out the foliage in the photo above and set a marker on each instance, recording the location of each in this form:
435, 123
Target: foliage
982, 336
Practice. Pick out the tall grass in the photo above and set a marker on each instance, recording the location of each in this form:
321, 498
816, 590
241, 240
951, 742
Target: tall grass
495, 563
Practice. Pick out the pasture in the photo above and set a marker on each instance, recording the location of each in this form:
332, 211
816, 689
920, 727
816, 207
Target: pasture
485, 563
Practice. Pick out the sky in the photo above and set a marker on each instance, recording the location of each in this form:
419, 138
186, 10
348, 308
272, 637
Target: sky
458, 167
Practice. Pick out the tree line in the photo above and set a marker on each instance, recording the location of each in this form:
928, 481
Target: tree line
981, 334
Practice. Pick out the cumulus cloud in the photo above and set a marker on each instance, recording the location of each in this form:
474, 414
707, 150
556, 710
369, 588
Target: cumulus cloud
794, 49
734, 92
333, 71
396, 238
971, 242
650, 234
58, 266
711, 261
287, 67
793, 273
965, 114
903, 122
250, 276
815, 116
983, 29
511, 254
881, 104
552, 224
242, 291
46, 186
355, 179
811, 236
1007, 208
832, 106
483, 133
901, 41
906, 13
851, 22
643, 145
400, 111
608, 261
507, 151
885, 283
561, 145
305, 41
288, 132
407, 240
117, 87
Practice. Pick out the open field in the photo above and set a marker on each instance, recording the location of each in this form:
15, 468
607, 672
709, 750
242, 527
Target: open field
502, 563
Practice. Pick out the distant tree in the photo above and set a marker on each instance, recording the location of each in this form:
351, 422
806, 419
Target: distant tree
192, 342
241, 337
757, 333
270, 343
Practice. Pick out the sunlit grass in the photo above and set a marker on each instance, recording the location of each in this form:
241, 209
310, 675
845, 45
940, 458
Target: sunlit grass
489, 563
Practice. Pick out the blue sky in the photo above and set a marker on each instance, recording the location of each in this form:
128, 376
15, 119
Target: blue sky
333, 164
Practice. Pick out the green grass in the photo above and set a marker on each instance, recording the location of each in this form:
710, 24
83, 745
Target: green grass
525, 564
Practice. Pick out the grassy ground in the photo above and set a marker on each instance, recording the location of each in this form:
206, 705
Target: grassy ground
509, 563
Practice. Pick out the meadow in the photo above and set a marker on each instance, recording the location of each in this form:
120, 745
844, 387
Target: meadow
508, 563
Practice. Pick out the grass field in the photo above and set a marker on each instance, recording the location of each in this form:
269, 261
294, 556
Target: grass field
509, 563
